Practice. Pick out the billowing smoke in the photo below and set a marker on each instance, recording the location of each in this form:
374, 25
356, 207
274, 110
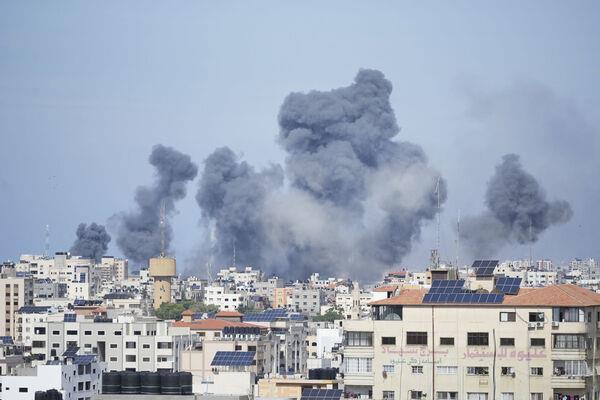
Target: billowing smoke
517, 211
139, 232
92, 241
355, 198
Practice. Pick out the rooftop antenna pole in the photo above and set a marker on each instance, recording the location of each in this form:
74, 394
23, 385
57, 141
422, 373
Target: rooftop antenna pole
47, 242
233, 253
437, 244
457, 238
530, 243
162, 228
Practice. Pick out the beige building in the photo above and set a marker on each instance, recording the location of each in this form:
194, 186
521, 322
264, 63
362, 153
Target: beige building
163, 270
15, 293
539, 344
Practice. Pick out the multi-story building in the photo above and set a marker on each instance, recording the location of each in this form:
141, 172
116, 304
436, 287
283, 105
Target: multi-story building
539, 343
76, 377
125, 343
224, 297
305, 300
14, 294
355, 304
267, 289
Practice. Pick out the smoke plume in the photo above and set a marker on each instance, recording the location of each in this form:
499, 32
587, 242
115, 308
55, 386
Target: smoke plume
355, 198
92, 241
139, 232
517, 211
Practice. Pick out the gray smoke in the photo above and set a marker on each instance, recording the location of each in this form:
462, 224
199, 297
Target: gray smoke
356, 199
517, 211
92, 241
139, 236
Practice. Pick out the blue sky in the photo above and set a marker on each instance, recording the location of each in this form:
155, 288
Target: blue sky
88, 87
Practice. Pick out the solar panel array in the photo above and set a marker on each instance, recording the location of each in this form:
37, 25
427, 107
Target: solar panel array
85, 359
447, 286
464, 297
71, 351
508, 285
70, 318
267, 315
233, 358
484, 267
33, 309
321, 394
6, 340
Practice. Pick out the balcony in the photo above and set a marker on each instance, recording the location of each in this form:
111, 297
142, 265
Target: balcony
567, 382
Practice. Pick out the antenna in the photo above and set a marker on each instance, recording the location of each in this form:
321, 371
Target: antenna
47, 242
436, 254
208, 274
233, 253
530, 243
162, 228
457, 238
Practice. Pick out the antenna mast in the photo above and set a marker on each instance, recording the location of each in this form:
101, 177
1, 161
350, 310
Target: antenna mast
162, 228
47, 242
530, 243
457, 238
233, 253
436, 261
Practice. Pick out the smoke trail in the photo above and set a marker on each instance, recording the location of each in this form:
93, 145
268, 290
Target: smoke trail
92, 241
139, 235
356, 199
517, 210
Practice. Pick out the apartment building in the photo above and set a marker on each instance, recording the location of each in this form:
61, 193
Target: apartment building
528, 343
76, 378
225, 298
15, 293
125, 343
305, 300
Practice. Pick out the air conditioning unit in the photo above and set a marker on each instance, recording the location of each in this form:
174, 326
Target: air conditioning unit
512, 374
539, 325
531, 325
555, 324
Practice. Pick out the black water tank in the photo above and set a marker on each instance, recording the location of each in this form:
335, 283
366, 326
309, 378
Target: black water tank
169, 383
150, 383
185, 382
53, 394
111, 382
130, 382
39, 395
312, 374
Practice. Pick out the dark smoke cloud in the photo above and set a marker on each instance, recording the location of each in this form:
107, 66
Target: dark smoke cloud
356, 198
517, 211
92, 241
139, 236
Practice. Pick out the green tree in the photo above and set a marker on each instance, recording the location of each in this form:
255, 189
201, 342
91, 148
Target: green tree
170, 311
330, 315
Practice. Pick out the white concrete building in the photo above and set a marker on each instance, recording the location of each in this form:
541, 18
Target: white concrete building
225, 298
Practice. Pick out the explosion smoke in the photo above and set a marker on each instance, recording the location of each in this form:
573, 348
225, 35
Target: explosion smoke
356, 201
517, 211
92, 241
139, 235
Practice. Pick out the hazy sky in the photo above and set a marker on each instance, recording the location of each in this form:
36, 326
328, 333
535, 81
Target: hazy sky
88, 87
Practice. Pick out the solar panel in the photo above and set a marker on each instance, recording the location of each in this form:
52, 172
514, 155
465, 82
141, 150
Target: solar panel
447, 286
71, 351
464, 298
85, 359
321, 394
233, 358
484, 267
70, 318
508, 285
6, 339
34, 309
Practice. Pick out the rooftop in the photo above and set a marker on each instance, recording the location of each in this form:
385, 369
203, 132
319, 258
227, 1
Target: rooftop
212, 325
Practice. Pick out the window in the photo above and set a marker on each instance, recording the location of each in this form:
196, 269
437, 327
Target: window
130, 358
537, 342
113, 345
447, 396
570, 368
137, 333
355, 365
446, 341
388, 340
568, 314
359, 339
118, 333
39, 331
536, 317
447, 369
101, 333
389, 368
417, 369
507, 371
145, 346
416, 338
507, 341
477, 338
537, 371
164, 345
38, 344
71, 332
478, 371
537, 396
23, 390
508, 316
416, 395
87, 333
568, 341
507, 396
130, 345
388, 395
477, 396
56, 333
146, 359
